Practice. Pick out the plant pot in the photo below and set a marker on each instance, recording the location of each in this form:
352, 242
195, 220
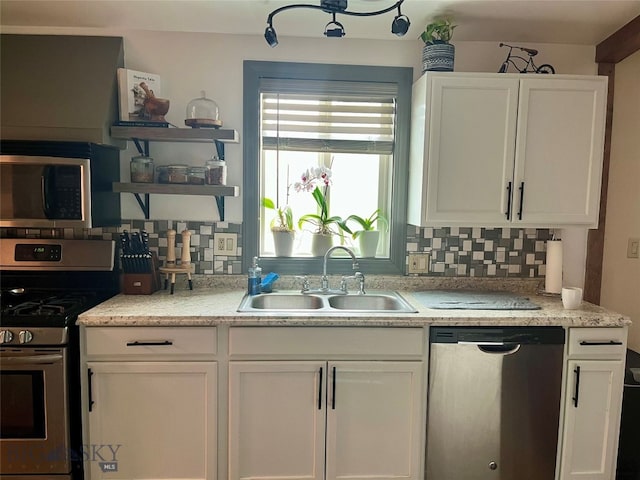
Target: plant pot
283, 241
368, 241
320, 243
438, 57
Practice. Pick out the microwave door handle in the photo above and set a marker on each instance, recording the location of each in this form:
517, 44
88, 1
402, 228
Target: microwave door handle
45, 182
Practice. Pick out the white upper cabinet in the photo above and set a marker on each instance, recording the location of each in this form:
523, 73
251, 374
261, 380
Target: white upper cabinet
506, 150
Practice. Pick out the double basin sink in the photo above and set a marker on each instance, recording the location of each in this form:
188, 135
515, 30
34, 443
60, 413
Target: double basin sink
326, 303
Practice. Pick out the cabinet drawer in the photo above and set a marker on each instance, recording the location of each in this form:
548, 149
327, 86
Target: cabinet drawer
151, 341
326, 341
597, 342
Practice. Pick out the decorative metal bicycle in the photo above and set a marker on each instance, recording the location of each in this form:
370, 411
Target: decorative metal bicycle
529, 66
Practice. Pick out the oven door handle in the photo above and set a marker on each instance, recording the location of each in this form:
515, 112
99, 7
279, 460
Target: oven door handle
33, 360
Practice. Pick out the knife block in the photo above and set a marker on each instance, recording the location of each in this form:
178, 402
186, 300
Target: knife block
141, 283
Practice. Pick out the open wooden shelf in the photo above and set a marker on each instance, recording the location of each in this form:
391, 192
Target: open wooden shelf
177, 189
160, 134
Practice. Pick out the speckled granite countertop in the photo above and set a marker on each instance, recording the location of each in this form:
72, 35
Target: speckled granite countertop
212, 303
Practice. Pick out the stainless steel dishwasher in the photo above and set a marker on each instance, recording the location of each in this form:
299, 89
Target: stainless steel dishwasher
493, 403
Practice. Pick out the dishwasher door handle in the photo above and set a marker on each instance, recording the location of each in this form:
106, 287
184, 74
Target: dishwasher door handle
499, 348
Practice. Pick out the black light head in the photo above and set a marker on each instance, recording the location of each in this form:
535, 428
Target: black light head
270, 36
336, 32
400, 25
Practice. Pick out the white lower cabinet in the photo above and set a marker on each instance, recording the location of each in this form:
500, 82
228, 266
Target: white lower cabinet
327, 403
316, 419
149, 413
374, 423
593, 398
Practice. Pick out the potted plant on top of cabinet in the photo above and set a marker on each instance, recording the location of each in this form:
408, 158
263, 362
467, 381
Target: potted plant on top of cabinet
282, 228
438, 54
368, 236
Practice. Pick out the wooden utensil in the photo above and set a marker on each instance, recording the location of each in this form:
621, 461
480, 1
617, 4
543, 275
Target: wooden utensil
185, 258
171, 248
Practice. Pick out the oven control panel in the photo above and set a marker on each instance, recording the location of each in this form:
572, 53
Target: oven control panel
34, 336
38, 253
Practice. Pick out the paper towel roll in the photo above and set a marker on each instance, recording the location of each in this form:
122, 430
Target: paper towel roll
553, 277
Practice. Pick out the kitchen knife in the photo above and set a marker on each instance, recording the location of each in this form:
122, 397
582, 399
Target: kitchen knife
125, 243
145, 241
136, 243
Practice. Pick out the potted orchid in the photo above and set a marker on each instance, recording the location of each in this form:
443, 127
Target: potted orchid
281, 227
369, 233
317, 180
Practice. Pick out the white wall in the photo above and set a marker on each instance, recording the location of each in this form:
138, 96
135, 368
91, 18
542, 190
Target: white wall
191, 62
621, 275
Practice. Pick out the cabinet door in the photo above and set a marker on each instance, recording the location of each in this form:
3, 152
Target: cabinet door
374, 420
277, 420
152, 420
470, 150
559, 150
591, 426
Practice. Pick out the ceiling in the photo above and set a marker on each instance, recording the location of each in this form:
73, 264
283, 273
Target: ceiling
585, 22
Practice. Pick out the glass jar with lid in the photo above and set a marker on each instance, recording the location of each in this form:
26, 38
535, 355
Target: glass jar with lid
216, 172
196, 175
142, 169
173, 174
203, 112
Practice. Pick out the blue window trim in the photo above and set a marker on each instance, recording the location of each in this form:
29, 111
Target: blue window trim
253, 72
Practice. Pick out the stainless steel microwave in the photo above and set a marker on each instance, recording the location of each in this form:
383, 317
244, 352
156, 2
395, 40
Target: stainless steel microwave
44, 191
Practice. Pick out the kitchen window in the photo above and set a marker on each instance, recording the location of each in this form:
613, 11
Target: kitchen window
351, 120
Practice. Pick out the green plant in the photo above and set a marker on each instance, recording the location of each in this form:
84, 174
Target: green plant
439, 31
324, 223
283, 221
368, 223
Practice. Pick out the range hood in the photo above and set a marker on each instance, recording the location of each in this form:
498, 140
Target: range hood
59, 87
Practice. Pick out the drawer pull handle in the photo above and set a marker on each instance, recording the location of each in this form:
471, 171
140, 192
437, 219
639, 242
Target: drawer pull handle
575, 399
149, 344
591, 344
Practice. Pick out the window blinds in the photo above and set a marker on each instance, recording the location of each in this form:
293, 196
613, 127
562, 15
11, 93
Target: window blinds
326, 118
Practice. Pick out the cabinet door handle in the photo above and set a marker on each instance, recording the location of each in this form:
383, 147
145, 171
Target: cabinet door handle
149, 344
521, 200
333, 387
591, 344
508, 201
89, 388
320, 391
575, 399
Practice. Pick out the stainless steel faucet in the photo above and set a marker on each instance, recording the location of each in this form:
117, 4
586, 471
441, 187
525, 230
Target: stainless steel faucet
325, 279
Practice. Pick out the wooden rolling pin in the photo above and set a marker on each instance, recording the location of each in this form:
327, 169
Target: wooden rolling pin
185, 258
171, 248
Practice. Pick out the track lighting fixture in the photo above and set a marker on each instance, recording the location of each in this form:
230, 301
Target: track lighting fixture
338, 31
270, 36
399, 26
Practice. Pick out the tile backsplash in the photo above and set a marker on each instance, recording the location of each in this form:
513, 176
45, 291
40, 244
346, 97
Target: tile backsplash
455, 251
481, 252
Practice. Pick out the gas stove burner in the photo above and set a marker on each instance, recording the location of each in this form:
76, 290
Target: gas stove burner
51, 305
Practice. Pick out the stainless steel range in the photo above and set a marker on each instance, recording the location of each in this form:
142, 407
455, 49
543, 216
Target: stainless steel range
45, 285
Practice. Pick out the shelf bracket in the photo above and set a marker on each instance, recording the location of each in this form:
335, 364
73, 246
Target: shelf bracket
219, 149
220, 204
143, 148
144, 205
